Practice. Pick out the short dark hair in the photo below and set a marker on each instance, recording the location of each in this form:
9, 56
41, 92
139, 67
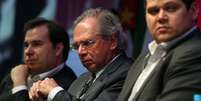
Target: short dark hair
57, 34
187, 3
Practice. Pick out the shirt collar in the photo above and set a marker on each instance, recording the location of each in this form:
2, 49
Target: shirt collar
167, 45
102, 70
51, 72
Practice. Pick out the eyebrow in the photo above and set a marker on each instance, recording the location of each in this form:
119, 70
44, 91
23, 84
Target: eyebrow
34, 41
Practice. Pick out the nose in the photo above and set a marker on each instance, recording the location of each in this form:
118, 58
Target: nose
162, 16
28, 51
81, 50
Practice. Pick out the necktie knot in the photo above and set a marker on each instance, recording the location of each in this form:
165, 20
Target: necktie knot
35, 78
158, 54
32, 79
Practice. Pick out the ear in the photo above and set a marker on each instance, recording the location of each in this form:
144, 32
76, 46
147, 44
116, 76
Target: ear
59, 49
195, 9
114, 42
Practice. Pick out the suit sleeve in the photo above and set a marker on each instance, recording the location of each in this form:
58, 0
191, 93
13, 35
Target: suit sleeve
108, 94
63, 96
6, 91
183, 77
21, 96
111, 93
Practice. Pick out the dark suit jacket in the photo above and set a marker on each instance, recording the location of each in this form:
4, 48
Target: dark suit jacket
176, 77
64, 78
105, 88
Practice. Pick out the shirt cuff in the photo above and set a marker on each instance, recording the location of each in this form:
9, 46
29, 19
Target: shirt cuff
19, 88
53, 92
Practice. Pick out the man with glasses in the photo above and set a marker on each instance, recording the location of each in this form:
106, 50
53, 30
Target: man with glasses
98, 41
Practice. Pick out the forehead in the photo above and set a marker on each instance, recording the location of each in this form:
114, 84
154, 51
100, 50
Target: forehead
86, 28
150, 3
37, 33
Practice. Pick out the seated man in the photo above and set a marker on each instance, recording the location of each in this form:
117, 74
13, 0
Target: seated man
46, 47
97, 39
171, 69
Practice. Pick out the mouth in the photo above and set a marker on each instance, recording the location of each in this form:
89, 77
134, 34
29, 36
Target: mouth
162, 29
30, 62
86, 62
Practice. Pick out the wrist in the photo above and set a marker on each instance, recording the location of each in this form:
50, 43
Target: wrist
53, 92
19, 83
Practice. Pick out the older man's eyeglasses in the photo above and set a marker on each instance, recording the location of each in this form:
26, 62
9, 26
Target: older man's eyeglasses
85, 44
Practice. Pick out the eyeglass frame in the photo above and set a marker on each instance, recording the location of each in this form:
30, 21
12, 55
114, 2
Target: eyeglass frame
86, 44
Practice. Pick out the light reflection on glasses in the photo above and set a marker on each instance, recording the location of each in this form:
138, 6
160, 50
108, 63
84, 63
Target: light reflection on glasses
85, 44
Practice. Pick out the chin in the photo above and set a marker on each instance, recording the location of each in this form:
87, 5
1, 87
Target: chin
33, 70
91, 69
163, 39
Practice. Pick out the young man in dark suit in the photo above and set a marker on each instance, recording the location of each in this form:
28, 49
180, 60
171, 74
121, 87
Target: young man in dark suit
171, 70
99, 42
46, 47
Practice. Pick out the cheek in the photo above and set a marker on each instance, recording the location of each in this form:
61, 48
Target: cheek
101, 56
44, 57
180, 20
49, 57
176, 22
94, 54
151, 24
179, 25
100, 53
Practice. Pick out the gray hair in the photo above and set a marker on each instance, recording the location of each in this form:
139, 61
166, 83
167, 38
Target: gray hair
108, 22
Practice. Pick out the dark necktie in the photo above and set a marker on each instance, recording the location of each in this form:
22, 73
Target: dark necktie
87, 85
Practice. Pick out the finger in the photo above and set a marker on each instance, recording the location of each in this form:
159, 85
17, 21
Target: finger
30, 95
33, 96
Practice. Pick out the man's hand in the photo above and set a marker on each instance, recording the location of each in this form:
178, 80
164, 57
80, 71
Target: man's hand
42, 88
19, 75
34, 94
47, 85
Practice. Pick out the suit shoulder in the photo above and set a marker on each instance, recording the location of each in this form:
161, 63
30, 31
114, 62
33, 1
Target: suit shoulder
66, 72
65, 77
190, 45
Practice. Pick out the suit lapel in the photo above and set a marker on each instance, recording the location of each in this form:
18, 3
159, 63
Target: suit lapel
112, 67
132, 76
78, 85
158, 66
64, 77
93, 91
